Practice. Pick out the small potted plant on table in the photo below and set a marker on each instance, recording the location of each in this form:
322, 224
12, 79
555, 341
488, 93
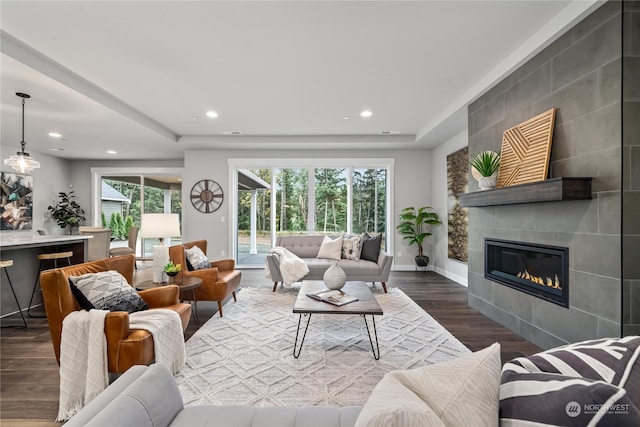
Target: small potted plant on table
172, 269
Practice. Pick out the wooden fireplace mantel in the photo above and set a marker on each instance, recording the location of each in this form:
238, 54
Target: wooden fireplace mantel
550, 190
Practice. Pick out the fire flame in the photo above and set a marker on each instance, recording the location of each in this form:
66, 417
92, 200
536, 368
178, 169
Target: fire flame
548, 281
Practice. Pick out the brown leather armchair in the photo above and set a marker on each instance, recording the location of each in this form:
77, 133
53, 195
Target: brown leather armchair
125, 347
218, 282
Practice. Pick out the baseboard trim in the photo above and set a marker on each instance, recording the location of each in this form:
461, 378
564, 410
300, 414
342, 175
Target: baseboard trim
464, 281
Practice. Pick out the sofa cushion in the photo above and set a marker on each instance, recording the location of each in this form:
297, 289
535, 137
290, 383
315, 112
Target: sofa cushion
153, 399
351, 247
109, 290
330, 248
459, 392
371, 247
196, 258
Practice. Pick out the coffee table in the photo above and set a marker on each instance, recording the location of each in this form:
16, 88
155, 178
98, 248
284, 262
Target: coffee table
366, 305
185, 284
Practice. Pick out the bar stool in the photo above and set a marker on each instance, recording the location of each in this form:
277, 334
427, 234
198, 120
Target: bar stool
54, 256
4, 264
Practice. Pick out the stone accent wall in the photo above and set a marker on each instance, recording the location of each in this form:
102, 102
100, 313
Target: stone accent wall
580, 75
631, 168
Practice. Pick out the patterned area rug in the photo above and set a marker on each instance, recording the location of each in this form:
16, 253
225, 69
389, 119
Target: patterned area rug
245, 358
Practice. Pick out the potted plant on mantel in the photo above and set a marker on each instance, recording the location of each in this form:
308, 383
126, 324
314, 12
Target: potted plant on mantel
485, 169
67, 212
411, 227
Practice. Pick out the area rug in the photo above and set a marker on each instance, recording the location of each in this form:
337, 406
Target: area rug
246, 357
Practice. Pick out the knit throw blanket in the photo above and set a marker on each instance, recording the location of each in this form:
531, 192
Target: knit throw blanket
168, 338
292, 267
83, 361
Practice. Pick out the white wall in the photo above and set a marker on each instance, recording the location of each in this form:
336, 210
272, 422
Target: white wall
411, 187
52, 177
440, 263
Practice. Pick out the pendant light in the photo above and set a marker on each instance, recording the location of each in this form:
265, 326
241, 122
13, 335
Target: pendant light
22, 162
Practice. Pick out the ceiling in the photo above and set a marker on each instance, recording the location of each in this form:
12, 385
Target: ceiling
138, 77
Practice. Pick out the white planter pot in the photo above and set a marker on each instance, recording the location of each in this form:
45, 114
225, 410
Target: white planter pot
488, 182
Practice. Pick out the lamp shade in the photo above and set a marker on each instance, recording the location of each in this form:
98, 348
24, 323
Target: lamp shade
160, 225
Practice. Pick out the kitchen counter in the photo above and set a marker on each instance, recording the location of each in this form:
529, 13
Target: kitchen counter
23, 248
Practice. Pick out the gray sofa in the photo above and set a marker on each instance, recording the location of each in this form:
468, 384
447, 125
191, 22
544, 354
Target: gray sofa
149, 396
307, 247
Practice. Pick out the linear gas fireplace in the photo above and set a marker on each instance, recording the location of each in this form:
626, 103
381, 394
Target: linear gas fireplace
539, 270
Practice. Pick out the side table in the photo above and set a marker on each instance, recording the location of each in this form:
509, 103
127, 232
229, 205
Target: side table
185, 284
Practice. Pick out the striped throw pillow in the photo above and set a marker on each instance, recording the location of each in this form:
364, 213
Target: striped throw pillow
587, 383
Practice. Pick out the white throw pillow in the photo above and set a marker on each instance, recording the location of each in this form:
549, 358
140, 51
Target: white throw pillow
197, 258
330, 249
460, 392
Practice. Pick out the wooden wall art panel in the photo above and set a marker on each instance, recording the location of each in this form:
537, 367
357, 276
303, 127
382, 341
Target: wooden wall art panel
526, 150
457, 182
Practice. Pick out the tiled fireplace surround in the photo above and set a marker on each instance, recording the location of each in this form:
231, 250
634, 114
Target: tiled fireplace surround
591, 74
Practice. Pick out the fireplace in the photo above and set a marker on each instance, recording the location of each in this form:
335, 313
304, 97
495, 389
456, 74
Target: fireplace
539, 270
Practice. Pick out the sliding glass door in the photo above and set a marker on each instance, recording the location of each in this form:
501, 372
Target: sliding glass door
121, 197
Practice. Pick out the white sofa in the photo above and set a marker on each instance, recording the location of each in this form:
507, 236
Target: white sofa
307, 248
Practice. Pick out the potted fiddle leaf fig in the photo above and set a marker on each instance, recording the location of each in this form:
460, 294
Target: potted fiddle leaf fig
412, 227
485, 169
67, 212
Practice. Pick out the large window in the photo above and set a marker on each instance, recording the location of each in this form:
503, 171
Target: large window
121, 197
330, 197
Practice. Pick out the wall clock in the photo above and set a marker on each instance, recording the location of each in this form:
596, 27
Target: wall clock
207, 196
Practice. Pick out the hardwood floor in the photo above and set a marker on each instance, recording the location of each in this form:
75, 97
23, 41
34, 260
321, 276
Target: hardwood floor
29, 377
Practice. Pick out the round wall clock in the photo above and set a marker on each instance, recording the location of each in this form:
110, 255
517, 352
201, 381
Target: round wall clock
207, 196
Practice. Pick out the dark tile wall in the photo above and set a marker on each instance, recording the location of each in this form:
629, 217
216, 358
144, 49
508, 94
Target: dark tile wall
631, 168
580, 75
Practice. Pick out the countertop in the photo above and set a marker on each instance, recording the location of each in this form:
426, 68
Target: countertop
15, 239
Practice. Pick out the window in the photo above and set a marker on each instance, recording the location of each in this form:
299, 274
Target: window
329, 197
120, 198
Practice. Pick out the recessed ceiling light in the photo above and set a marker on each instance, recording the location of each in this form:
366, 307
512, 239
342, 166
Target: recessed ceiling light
56, 149
366, 113
55, 135
194, 118
111, 152
346, 117
212, 114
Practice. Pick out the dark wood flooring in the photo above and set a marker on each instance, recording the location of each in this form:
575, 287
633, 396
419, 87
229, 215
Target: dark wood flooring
29, 377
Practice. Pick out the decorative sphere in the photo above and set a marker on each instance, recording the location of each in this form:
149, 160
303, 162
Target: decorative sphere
335, 277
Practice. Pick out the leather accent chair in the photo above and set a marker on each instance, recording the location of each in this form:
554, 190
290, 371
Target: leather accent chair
125, 347
218, 282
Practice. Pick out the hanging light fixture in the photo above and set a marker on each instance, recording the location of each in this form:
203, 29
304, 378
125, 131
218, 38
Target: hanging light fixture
22, 162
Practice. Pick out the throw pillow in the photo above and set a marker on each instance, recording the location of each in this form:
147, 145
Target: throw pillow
351, 247
591, 375
371, 247
197, 258
330, 249
109, 290
459, 392
541, 398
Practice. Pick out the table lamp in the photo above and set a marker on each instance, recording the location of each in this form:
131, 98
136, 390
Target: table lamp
160, 225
